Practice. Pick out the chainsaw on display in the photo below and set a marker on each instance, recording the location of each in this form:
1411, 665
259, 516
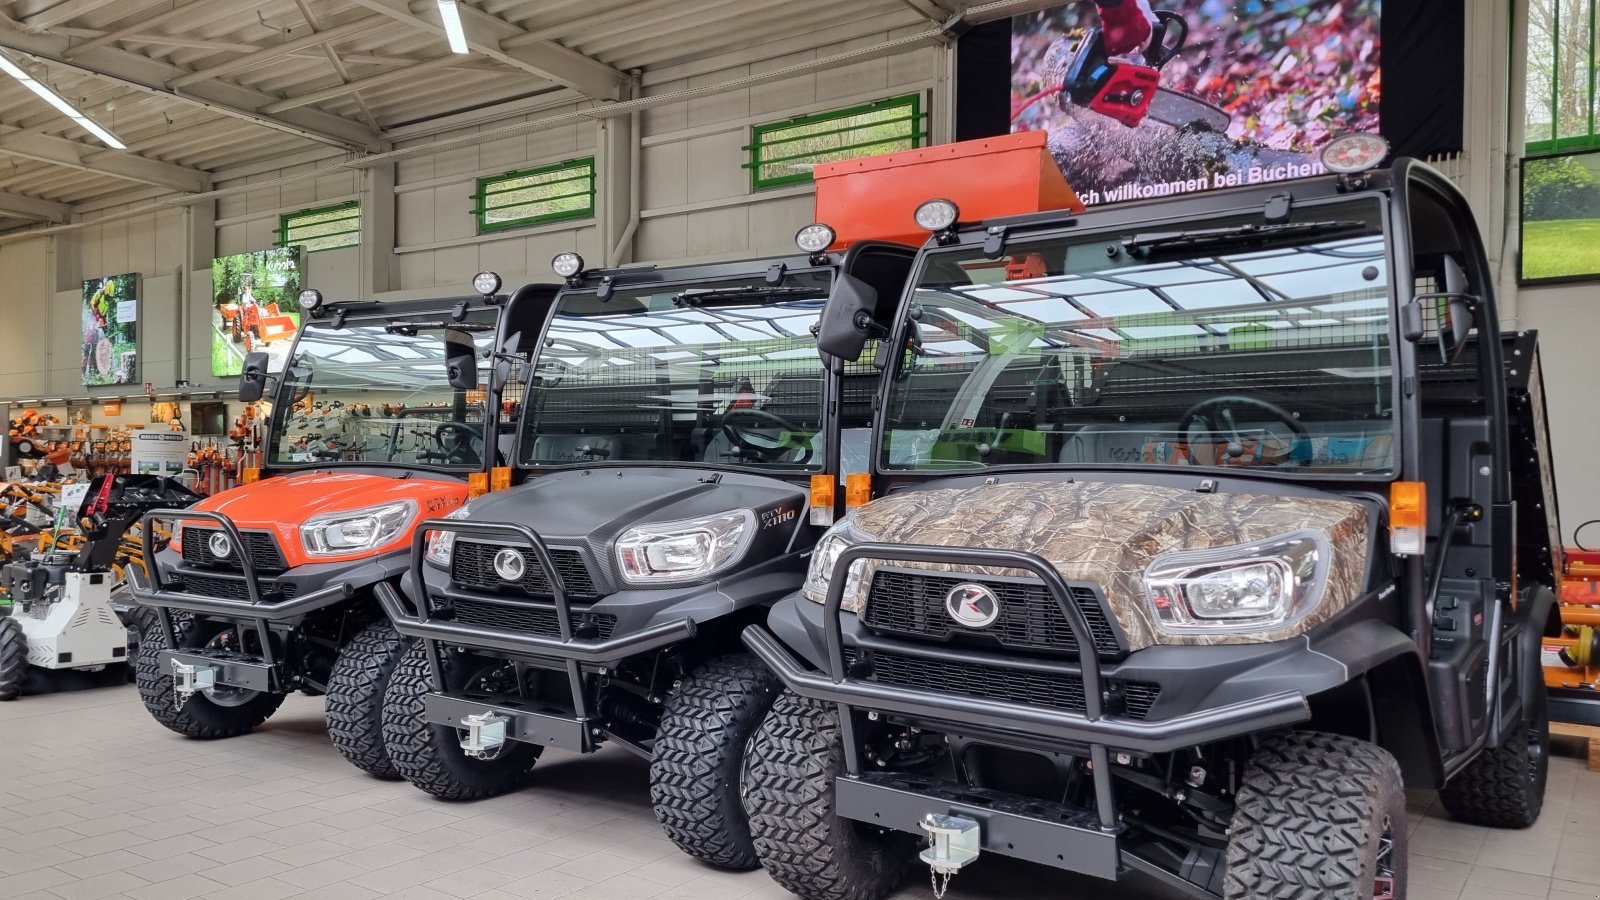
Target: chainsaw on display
1088, 68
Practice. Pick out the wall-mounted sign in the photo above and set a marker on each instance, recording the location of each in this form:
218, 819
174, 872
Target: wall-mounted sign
255, 306
110, 330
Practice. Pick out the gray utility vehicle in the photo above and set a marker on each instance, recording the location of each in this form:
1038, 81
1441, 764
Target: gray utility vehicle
378, 422
676, 426
1201, 528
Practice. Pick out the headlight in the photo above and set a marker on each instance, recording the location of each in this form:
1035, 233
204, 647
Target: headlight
690, 548
442, 544
338, 533
826, 557
1249, 587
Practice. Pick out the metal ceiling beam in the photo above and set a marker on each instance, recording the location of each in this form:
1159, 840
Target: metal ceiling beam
351, 87
933, 10
160, 40
338, 65
63, 12
222, 97
26, 207
268, 54
485, 34
149, 23
71, 154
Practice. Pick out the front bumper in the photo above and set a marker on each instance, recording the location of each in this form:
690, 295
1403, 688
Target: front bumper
1217, 693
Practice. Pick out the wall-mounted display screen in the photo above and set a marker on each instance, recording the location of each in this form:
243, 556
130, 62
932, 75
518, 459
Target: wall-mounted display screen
111, 330
255, 305
1149, 98
1561, 217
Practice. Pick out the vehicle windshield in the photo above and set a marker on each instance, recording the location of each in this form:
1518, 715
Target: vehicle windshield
1201, 345
366, 393
721, 372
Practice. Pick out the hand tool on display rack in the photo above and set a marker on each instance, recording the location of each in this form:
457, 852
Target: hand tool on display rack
1572, 659
1088, 68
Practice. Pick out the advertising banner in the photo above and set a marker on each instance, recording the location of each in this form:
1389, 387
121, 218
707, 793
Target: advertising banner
254, 306
111, 330
1151, 98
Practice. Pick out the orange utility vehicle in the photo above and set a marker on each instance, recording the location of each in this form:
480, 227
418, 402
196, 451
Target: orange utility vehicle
267, 588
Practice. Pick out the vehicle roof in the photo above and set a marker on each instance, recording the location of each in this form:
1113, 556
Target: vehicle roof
390, 310
1213, 202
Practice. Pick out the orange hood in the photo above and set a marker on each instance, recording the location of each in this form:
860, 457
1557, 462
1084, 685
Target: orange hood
283, 503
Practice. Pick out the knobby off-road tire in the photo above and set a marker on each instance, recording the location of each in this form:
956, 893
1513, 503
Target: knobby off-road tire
198, 717
13, 658
430, 756
699, 757
790, 767
1504, 787
356, 687
1313, 815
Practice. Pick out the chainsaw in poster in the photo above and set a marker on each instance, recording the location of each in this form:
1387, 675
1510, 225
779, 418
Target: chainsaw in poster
1151, 98
111, 330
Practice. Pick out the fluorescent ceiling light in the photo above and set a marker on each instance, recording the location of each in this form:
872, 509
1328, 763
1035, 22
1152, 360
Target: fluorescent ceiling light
66, 109
451, 16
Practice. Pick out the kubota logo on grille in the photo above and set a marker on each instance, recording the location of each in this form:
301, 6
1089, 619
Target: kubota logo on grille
509, 564
972, 605
219, 545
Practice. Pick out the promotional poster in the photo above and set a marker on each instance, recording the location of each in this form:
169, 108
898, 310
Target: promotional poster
254, 306
1561, 217
111, 330
1151, 98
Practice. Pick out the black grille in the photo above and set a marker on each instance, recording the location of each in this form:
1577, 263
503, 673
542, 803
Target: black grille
910, 603
230, 588
532, 619
1063, 691
472, 565
263, 550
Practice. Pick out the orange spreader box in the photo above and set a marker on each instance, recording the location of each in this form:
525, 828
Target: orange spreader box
876, 197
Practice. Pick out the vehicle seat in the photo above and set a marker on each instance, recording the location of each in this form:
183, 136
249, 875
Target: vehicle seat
572, 448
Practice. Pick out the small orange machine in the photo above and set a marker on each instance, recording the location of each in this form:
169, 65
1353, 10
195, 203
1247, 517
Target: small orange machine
1573, 659
989, 178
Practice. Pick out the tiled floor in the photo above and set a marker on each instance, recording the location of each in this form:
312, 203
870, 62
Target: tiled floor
96, 800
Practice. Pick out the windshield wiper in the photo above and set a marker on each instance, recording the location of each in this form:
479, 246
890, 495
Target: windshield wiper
1239, 234
410, 329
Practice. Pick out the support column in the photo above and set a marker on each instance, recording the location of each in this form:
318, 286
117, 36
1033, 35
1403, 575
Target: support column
377, 229
194, 293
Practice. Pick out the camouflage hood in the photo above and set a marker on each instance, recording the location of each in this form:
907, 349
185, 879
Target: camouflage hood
1109, 533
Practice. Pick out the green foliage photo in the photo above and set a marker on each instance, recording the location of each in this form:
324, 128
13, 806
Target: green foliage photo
110, 330
1561, 216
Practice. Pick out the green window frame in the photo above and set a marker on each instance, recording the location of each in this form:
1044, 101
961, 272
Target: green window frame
1561, 100
784, 153
322, 228
554, 193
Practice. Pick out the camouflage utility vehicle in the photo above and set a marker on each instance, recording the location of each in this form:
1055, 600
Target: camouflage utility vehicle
679, 453
1200, 530
380, 420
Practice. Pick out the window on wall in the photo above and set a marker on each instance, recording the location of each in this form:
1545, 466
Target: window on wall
553, 193
786, 152
1561, 174
323, 228
1561, 105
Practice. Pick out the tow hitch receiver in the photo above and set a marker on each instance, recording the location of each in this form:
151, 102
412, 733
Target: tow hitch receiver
953, 841
486, 734
188, 678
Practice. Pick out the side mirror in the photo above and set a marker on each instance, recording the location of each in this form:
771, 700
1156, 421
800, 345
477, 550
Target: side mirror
846, 323
253, 379
461, 361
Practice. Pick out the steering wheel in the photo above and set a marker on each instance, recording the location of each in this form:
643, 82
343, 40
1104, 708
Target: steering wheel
767, 449
462, 453
1219, 410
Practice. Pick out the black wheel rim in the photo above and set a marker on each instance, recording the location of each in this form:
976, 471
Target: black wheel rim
1383, 876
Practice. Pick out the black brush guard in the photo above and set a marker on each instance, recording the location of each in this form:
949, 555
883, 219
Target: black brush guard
446, 708
1084, 841
254, 606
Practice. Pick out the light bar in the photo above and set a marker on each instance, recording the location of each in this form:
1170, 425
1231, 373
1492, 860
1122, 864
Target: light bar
66, 109
450, 15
